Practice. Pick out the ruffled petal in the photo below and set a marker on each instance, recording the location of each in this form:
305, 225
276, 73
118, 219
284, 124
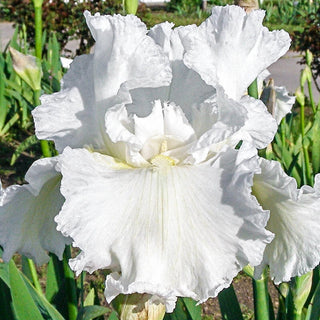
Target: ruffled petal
278, 101
260, 127
294, 219
136, 140
124, 53
71, 117
165, 230
123, 144
186, 88
232, 48
222, 121
27, 212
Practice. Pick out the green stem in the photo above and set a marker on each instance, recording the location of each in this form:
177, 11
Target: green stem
38, 30
253, 89
261, 298
304, 146
45, 148
81, 290
313, 105
34, 276
296, 315
70, 286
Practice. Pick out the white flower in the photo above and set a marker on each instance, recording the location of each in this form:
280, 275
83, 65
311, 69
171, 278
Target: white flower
294, 219
27, 213
155, 189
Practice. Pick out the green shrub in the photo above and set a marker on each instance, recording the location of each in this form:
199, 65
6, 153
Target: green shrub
193, 6
66, 19
289, 12
309, 38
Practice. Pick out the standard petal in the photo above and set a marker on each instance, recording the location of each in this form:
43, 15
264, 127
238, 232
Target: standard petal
27, 213
294, 219
71, 117
186, 88
169, 230
232, 48
124, 53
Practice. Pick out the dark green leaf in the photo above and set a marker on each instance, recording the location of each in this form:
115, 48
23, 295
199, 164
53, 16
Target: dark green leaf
313, 312
6, 312
229, 305
113, 316
48, 311
23, 304
179, 313
56, 285
91, 312
192, 308
24, 145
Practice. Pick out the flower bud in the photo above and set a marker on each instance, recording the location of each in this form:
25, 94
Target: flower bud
300, 97
131, 6
309, 57
27, 67
37, 3
305, 76
142, 307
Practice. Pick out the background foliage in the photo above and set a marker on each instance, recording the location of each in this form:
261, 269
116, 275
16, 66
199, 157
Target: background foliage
65, 19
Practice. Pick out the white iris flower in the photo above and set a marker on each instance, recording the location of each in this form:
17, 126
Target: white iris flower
155, 189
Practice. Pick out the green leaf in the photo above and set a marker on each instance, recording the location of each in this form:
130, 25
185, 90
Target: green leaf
179, 313
91, 312
56, 285
4, 273
3, 103
113, 316
193, 309
229, 305
48, 311
313, 312
24, 145
9, 124
315, 148
23, 304
6, 312
89, 301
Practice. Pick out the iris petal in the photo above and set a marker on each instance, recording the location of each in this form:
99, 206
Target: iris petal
294, 219
170, 230
27, 213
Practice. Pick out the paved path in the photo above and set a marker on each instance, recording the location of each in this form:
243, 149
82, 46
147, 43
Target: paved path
285, 71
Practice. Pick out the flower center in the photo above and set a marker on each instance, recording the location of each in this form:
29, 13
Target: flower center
161, 160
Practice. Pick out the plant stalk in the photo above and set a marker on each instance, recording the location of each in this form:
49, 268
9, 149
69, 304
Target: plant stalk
70, 286
304, 146
261, 298
45, 148
38, 29
34, 276
313, 105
